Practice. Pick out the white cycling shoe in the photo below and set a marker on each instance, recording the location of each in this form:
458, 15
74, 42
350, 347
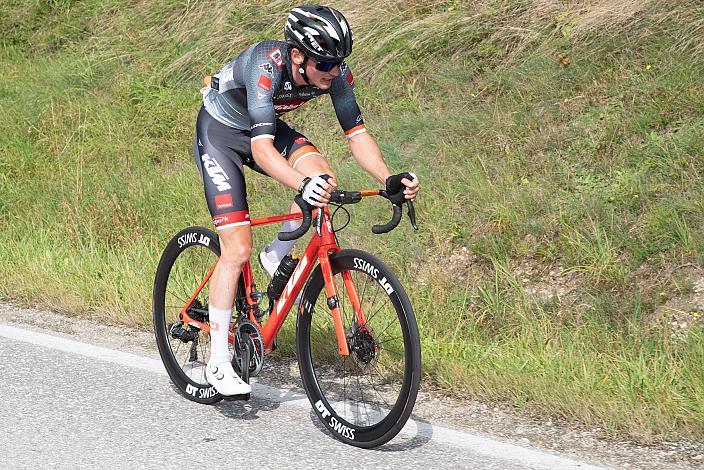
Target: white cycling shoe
225, 380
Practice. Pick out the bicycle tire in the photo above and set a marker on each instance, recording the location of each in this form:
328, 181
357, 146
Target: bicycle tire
174, 283
324, 372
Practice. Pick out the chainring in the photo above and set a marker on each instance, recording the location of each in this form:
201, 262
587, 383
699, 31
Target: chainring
251, 333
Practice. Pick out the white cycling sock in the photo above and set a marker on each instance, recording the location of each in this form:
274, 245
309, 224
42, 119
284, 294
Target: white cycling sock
277, 249
219, 329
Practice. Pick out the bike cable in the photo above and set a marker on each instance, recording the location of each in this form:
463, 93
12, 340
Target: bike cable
332, 220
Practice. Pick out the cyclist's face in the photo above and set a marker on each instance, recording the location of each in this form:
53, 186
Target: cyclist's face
319, 78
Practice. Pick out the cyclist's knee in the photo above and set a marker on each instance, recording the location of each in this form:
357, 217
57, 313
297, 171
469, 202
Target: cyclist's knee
235, 246
314, 166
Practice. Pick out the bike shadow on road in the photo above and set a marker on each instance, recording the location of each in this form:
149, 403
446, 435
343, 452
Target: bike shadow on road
248, 410
411, 437
264, 399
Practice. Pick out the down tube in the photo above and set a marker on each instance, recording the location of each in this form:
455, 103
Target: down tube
288, 297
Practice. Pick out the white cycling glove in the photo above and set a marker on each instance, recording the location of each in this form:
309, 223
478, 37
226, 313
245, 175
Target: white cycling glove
312, 188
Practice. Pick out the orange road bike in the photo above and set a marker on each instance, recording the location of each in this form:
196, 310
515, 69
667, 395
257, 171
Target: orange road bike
357, 339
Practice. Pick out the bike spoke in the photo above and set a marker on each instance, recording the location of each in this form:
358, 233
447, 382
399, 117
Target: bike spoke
389, 339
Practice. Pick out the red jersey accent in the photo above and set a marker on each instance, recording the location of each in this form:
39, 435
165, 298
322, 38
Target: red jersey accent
264, 82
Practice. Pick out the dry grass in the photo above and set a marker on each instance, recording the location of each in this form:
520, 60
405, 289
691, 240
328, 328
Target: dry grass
209, 33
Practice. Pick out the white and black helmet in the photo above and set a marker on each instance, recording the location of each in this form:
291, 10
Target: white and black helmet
321, 33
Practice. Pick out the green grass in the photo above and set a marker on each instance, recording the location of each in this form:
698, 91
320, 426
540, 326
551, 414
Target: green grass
592, 169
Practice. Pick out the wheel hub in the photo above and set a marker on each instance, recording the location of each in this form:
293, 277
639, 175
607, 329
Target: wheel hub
363, 345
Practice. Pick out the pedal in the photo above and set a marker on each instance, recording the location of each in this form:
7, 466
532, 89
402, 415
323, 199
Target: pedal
244, 397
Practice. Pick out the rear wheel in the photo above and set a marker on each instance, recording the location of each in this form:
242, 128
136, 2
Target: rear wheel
184, 348
364, 399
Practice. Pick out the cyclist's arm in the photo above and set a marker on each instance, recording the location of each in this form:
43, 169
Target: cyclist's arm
363, 146
367, 153
276, 166
262, 76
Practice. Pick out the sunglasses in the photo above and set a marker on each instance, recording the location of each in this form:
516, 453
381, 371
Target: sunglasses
327, 65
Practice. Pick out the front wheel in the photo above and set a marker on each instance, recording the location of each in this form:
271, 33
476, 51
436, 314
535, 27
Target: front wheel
364, 399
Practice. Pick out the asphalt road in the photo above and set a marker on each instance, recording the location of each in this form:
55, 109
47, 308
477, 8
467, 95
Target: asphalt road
73, 405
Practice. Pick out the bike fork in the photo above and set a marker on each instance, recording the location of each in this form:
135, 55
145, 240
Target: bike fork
333, 303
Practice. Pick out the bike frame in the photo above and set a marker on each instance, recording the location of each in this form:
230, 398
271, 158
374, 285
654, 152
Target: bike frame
321, 245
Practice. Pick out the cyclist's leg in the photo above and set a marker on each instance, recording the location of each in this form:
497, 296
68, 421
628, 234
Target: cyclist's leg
220, 165
303, 156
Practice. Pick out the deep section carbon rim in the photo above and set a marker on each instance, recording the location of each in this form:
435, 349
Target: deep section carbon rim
184, 348
365, 397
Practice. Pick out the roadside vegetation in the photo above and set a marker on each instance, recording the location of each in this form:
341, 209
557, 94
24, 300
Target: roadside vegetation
560, 146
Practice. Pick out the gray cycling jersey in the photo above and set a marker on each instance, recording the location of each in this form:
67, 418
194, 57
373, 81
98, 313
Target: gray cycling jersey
257, 86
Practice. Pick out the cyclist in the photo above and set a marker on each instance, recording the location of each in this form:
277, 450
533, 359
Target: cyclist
239, 125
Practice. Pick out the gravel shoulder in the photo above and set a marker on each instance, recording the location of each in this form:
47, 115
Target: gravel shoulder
493, 420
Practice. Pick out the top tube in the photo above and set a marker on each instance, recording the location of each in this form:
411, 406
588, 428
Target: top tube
274, 219
297, 216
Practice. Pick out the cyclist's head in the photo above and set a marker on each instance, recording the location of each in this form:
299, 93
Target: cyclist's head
321, 33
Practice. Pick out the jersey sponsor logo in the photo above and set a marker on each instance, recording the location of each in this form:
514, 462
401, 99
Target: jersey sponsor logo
267, 68
264, 82
288, 106
260, 124
199, 144
287, 86
283, 152
300, 94
260, 95
301, 140
216, 173
276, 56
223, 201
350, 78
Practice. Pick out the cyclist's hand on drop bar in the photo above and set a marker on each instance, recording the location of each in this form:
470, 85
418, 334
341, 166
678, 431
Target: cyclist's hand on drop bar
317, 190
402, 187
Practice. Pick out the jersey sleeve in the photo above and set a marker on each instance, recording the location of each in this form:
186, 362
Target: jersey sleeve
262, 77
345, 103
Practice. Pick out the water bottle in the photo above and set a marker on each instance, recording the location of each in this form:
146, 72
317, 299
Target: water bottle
281, 277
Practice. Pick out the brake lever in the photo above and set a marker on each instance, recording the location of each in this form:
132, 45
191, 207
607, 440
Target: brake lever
412, 214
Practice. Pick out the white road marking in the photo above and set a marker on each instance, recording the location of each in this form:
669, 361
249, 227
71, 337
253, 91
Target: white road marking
437, 434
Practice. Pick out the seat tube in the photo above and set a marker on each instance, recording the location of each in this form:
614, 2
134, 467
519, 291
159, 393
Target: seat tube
331, 292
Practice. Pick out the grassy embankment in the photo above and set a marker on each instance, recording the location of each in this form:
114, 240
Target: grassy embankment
560, 147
